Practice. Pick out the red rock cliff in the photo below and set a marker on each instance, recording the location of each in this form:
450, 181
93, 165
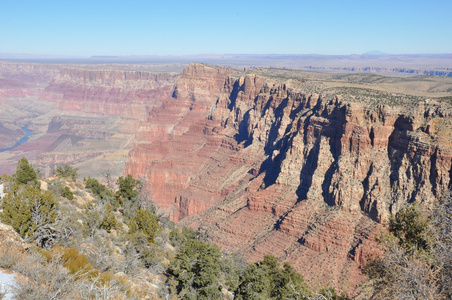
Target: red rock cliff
263, 167
108, 91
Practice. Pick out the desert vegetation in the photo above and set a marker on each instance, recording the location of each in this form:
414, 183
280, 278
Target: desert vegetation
417, 259
84, 240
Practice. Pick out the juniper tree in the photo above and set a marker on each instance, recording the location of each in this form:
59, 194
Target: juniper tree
128, 187
26, 208
417, 260
195, 271
144, 221
66, 171
25, 172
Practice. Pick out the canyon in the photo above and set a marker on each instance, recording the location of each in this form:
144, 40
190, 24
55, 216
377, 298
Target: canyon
303, 165
77, 114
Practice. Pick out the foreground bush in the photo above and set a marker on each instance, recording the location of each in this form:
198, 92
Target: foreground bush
47, 278
26, 208
417, 260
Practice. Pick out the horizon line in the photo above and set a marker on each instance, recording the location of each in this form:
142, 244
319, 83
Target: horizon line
62, 56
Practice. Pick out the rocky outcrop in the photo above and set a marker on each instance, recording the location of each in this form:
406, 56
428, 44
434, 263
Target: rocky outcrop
109, 91
10, 238
263, 167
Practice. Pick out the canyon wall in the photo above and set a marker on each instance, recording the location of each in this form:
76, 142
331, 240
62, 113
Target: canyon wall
264, 167
25, 79
103, 109
83, 115
109, 91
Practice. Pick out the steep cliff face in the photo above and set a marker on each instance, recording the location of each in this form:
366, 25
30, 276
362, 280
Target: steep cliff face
350, 155
109, 91
263, 167
176, 141
334, 170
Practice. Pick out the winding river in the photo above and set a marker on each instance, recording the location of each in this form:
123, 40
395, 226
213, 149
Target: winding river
21, 141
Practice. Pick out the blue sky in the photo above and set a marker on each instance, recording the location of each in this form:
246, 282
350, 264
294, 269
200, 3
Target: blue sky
176, 27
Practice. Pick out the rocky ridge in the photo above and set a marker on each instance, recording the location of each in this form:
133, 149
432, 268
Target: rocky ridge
264, 167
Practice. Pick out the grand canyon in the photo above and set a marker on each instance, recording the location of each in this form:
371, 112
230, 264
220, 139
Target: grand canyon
307, 166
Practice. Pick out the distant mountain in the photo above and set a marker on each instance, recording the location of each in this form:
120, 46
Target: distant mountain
375, 52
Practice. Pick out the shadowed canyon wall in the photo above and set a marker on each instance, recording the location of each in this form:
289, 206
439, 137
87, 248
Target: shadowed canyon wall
262, 167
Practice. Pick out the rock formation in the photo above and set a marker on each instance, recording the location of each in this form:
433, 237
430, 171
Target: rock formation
263, 167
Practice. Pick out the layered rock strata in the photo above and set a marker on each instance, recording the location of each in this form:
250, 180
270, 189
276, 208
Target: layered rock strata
262, 167
109, 91
83, 115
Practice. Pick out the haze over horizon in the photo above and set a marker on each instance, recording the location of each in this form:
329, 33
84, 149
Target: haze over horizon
115, 28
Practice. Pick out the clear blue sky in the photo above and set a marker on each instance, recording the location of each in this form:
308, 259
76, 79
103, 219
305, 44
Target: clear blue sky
176, 27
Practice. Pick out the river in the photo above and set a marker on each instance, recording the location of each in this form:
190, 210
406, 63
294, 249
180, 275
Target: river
21, 141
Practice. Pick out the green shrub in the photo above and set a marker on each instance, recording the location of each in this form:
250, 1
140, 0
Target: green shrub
195, 271
98, 189
416, 262
266, 280
66, 171
411, 227
26, 208
109, 221
128, 187
67, 193
144, 221
25, 172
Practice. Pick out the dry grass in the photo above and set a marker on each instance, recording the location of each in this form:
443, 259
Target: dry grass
10, 254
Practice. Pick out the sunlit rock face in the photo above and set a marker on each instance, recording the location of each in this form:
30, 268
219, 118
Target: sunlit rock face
262, 167
108, 91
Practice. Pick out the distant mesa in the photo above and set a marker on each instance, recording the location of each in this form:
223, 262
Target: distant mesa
104, 57
376, 52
